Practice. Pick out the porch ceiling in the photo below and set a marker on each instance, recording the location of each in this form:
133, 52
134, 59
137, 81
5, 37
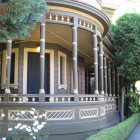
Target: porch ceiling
62, 35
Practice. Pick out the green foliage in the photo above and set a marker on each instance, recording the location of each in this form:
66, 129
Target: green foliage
133, 97
126, 40
23, 15
118, 132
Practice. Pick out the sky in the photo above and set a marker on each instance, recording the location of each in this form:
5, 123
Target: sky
126, 6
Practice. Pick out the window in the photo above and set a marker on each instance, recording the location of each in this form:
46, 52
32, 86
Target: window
62, 70
14, 69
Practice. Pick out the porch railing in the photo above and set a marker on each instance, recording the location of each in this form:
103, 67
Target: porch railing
34, 98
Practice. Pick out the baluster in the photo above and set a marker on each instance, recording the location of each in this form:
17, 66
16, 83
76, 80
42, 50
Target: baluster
33, 99
91, 27
50, 17
82, 99
62, 18
14, 99
80, 22
94, 99
20, 99
63, 99
56, 17
90, 98
56, 99
88, 25
27, 99
84, 24
68, 19
86, 98
0, 99
68, 99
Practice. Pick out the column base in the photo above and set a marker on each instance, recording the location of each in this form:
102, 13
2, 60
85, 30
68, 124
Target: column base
102, 92
75, 91
7, 91
96, 92
110, 95
106, 94
76, 97
41, 95
41, 91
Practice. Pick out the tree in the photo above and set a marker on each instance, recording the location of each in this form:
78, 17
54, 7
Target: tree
126, 40
18, 16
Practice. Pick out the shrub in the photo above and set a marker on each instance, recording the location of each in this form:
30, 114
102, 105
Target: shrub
118, 132
133, 97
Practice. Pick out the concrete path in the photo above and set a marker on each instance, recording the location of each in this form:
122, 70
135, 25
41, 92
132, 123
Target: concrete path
135, 135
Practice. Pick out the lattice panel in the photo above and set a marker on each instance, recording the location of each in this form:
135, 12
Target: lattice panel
110, 107
102, 111
60, 115
88, 113
106, 107
113, 106
1, 114
23, 115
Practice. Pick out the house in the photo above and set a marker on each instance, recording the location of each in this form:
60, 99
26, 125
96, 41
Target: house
65, 69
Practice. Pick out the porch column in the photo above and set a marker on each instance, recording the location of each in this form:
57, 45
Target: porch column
42, 60
118, 84
113, 76
105, 76
8, 65
101, 67
109, 77
75, 48
95, 55
118, 92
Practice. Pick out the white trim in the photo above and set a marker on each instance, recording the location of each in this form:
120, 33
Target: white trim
3, 78
25, 62
60, 54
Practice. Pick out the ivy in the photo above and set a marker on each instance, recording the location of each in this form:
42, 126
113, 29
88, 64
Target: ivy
22, 16
126, 40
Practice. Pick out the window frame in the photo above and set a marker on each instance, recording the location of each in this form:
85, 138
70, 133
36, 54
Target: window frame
3, 78
64, 56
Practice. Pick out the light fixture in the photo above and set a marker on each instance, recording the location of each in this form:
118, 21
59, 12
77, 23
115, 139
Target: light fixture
38, 48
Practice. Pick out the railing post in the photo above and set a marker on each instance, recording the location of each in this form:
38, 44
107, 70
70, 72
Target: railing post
42, 59
75, 51
95, 55
101, 68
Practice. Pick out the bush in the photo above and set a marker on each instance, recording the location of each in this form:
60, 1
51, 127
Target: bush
118, 132
133, 97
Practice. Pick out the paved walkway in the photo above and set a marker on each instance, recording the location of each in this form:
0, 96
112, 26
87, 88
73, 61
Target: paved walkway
135, 134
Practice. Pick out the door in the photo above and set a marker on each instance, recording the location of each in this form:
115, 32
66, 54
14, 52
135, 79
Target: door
33, 73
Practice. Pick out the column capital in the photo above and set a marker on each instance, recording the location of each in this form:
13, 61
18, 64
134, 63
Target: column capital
9, 41
94, 35
74, 27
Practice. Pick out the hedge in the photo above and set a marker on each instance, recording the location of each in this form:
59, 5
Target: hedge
118, 132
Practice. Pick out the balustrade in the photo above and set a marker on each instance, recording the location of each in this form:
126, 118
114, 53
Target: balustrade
34, 98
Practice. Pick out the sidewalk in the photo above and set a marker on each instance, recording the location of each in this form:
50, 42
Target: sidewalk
135, 135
